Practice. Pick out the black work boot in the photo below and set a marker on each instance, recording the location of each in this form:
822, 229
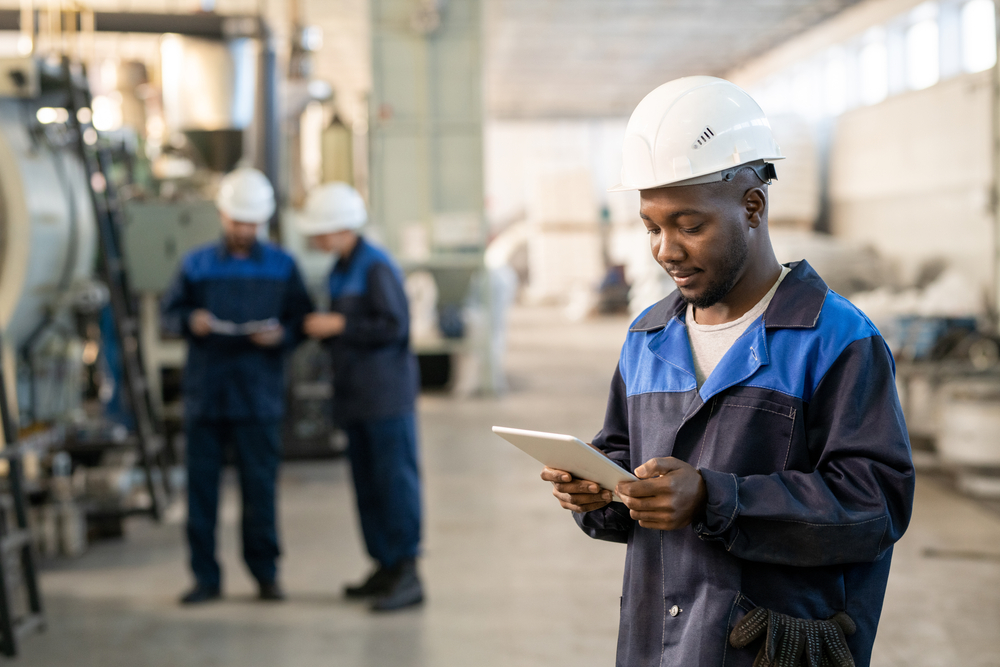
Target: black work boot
404, 591
200, 594
376, 584
271, 591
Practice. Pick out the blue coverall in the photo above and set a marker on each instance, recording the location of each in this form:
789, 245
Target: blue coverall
375, 380
234, 393
799, 436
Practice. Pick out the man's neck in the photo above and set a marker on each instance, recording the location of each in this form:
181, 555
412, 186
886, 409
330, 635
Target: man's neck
752, 286
239, 251
351, 247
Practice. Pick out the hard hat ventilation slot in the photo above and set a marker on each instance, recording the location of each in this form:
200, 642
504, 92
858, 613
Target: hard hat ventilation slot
706, 135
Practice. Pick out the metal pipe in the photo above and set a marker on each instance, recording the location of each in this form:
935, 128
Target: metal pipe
208, 25
271, 119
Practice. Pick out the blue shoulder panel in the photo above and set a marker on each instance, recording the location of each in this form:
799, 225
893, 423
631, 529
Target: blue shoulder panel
805, 355
354, 281
789, 360
208, 263
658, 361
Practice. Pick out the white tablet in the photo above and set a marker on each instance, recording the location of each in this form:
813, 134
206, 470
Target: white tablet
564, 452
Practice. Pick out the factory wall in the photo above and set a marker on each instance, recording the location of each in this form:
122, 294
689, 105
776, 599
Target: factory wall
907, 170
911, 176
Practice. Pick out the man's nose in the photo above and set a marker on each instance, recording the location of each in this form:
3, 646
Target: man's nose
668, 250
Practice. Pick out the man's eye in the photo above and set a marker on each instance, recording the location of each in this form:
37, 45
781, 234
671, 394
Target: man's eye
653, 230
692, 230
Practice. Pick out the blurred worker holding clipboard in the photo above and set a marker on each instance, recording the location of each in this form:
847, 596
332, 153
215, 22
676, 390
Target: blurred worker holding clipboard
239, 304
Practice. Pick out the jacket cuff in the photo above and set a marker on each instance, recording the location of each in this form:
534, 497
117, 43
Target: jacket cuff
610, 523
722, 506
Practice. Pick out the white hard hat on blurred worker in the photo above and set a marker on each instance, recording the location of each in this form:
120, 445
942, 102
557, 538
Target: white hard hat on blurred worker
333, 207
695, 130
245, 195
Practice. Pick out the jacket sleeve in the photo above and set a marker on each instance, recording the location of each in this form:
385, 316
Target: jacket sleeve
612, 522
857, 500
296, 306
177, 304
386, 316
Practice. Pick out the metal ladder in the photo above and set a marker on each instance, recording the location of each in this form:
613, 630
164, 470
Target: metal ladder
97, 162
17, 551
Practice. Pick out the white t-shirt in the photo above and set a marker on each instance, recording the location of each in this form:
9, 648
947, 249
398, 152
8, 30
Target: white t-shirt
710, 342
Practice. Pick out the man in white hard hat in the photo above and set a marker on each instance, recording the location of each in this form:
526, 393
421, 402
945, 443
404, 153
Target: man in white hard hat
240, 305
375, 377
758, 410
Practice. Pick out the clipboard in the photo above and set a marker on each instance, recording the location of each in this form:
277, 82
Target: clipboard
565, 452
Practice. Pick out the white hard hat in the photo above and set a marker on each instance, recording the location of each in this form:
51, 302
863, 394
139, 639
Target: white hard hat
333, 207
695, 130
245, 195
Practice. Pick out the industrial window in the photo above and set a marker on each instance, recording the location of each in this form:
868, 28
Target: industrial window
835, 82
922, 55
873, 72
979, 39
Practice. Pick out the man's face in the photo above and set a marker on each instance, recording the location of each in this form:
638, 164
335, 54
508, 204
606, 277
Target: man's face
240, 236
339, 243
698, 234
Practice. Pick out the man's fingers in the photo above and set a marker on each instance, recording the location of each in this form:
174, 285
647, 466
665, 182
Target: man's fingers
658, 467
582, 499
645, 488
553, 475
566, 483
578, 495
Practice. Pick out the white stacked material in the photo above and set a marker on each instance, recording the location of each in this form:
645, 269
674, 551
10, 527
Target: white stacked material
794, 197
629, 246
562, 260
846, 267
564, 240
952, 294
422, 293
563, 196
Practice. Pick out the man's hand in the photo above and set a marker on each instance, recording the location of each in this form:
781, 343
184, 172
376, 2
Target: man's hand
578, 495
668, 495
324, 325
200, 322
269, 337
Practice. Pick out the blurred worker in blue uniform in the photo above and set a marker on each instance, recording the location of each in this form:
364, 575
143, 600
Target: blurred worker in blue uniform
375, 381
240, 304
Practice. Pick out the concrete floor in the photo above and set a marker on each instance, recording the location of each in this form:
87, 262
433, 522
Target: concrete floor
511, 581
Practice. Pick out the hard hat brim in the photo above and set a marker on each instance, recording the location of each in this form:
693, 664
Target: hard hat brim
255, 217
310, 227
703, 179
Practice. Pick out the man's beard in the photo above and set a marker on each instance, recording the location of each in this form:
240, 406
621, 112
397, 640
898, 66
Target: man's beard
239, 245
729, 274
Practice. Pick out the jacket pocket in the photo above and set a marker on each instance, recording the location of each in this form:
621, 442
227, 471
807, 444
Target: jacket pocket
734, 657
747, 435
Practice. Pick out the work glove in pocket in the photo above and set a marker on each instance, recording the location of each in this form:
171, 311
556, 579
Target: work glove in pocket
796, 642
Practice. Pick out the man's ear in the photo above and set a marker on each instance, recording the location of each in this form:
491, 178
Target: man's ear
755, 205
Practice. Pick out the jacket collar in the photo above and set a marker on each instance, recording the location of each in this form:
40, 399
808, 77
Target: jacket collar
344, 263
256, 250
796, 304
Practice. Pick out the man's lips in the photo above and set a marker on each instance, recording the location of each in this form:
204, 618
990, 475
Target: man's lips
682, 277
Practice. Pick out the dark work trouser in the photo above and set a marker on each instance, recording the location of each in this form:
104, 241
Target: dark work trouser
257, 449
383, 455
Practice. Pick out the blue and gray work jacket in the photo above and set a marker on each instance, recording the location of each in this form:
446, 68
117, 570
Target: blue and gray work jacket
375, 374
800, 438
229, 377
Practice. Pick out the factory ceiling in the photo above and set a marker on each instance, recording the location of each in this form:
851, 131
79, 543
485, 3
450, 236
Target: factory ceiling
593, 58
